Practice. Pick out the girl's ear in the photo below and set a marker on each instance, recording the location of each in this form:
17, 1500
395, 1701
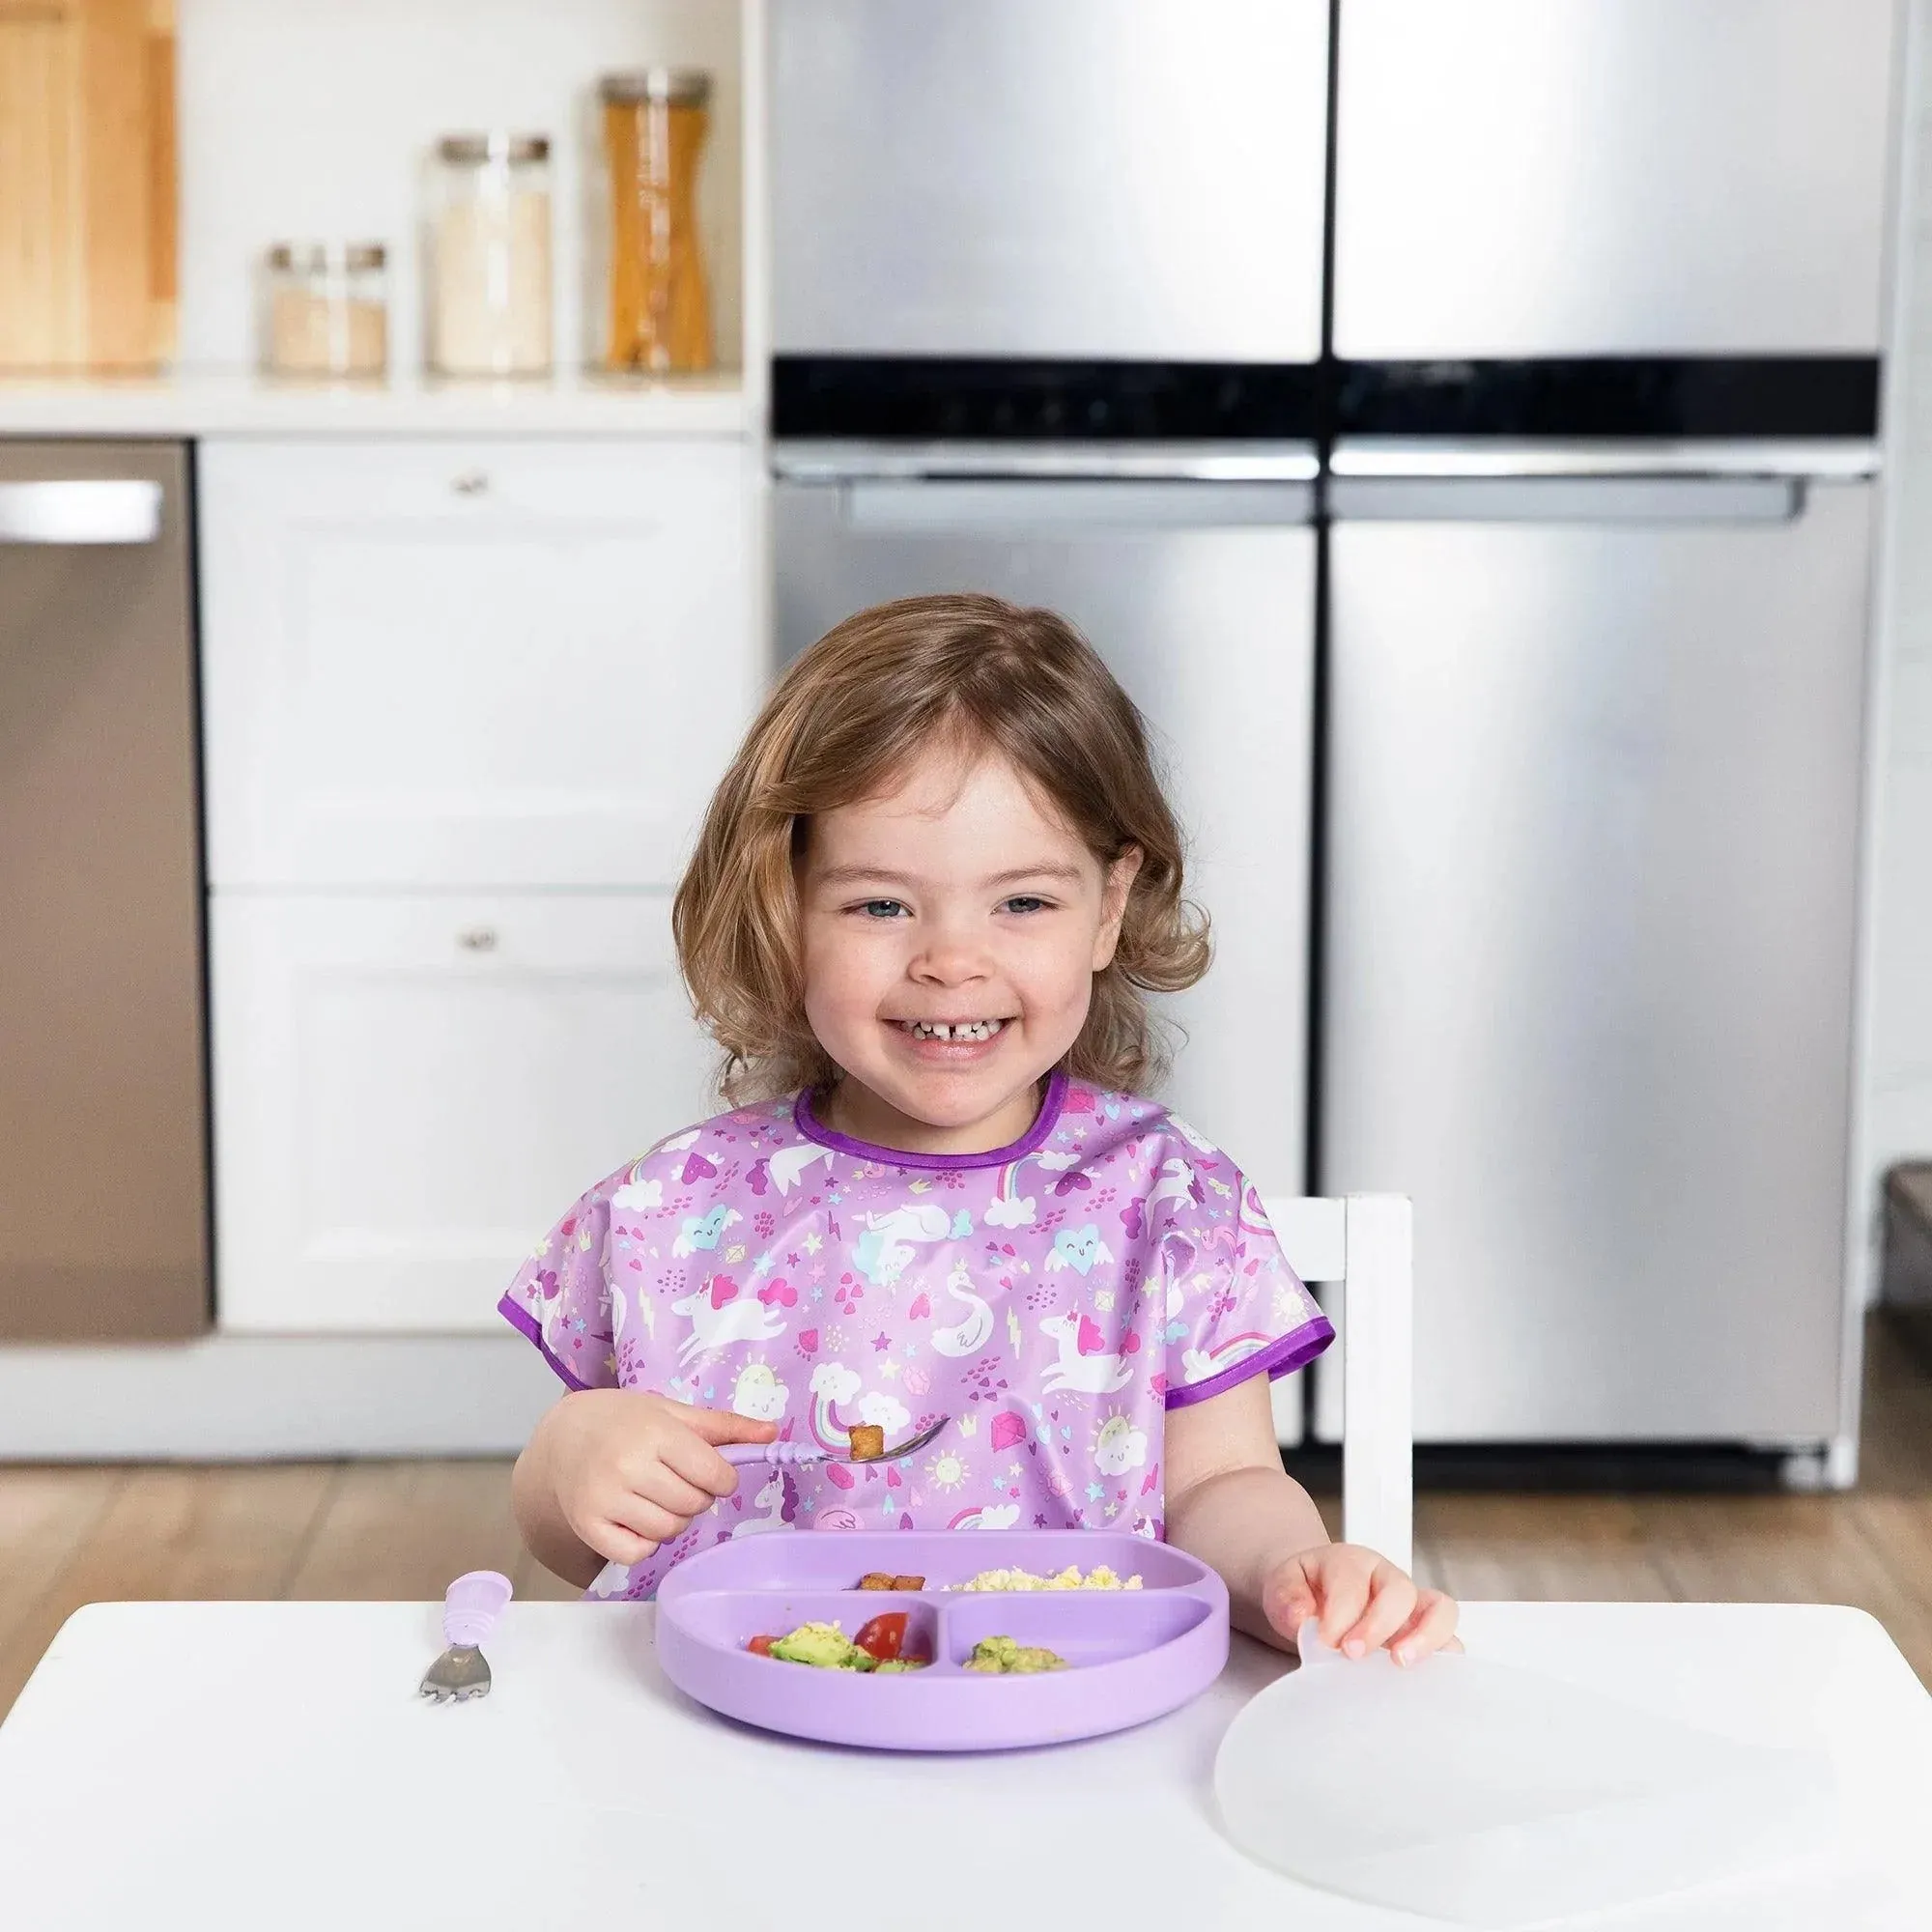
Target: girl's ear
1114, 895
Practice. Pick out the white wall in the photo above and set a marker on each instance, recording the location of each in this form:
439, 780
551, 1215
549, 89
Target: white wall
1897, 1093
311, 120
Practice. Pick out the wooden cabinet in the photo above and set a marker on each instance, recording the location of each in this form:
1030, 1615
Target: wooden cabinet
408, 1090
436, 664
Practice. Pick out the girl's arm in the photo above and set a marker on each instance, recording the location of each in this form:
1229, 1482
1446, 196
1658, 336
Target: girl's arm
1231, 1503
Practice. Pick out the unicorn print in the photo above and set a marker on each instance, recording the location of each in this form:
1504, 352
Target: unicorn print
1176, 1183
1085, 1364
789, 1165
882, 1252
973, 1333
719, 1316
770, 1503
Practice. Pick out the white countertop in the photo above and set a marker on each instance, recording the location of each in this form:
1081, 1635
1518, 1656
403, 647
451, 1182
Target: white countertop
240, 403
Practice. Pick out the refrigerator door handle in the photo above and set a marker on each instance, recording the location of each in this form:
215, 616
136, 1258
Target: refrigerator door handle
933, 508
1567, 500
84, 510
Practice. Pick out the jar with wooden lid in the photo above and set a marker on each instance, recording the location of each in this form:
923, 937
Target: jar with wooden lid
327, 311
490, 256
658, 311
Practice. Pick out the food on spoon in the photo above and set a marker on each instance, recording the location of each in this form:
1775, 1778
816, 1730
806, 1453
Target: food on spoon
1099, 1578
878, 1646
868, 1441
884, 1579
1002, 1657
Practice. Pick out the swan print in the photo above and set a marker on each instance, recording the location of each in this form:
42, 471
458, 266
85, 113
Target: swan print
971, 1334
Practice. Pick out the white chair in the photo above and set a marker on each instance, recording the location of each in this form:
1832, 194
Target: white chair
1363, 1244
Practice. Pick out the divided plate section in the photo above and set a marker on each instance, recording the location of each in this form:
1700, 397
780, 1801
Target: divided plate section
1086, 1626
731, 1618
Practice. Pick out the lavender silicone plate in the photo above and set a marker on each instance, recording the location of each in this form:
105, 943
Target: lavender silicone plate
1134, 1654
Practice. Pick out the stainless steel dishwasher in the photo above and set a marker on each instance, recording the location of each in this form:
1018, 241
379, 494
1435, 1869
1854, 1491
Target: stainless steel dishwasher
1593, 831
1192, 573
103, 1172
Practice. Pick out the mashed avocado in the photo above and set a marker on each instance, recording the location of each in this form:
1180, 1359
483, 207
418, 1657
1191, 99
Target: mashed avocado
1000, 1656
824, 1644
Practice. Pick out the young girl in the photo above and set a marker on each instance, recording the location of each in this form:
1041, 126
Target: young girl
923, 910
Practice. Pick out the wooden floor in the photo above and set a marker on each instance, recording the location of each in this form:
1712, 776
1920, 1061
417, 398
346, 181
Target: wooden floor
76, 1535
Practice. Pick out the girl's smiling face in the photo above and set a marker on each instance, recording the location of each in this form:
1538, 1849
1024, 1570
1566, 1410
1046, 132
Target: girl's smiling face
951, 930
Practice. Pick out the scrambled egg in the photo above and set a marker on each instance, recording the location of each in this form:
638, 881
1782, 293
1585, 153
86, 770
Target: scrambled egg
1099, 1578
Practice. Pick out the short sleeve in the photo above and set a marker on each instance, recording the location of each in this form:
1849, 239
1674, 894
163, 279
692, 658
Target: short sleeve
1235, 1308
561, 1295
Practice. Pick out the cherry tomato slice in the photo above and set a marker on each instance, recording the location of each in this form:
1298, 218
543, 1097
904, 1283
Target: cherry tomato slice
761, 1646
883, 1637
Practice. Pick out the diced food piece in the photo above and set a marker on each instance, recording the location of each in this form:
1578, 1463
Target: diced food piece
1099, 1578
868, 1441
825, 1645
877, 1579
883, 1637
1002, 1657
908, 1582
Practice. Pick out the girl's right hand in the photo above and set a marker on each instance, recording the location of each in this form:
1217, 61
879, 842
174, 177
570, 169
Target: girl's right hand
627, 1471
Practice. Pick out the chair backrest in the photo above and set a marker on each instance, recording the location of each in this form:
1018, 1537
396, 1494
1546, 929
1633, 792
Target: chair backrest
1362, 1245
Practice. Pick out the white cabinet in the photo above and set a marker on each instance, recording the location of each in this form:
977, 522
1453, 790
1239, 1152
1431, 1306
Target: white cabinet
409, 1090
438, 664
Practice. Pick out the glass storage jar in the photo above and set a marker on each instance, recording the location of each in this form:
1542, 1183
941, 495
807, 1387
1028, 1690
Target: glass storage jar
490, 256
658, 308
327, 311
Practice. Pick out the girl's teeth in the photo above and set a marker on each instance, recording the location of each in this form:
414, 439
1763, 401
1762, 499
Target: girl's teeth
956, 1030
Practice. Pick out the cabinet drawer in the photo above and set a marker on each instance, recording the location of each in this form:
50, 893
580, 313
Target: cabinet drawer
409, 1091
470, 663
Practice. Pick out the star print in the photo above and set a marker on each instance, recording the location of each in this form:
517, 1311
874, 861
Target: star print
1094, 1492
880, 1344
765, 1263
910, 1349
890, 1370
814, 1242
1113, 1509
818, 1295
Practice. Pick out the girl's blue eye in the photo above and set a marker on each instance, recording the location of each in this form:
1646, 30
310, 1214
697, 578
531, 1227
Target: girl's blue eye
1025, 903
879, 908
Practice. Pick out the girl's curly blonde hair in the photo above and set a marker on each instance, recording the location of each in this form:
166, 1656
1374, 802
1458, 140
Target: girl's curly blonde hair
844, 721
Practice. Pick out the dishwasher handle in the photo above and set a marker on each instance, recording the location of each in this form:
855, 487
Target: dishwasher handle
947, 506
83, 510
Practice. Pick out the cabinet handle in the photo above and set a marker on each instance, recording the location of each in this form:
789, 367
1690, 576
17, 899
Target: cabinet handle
477, 939
471, 483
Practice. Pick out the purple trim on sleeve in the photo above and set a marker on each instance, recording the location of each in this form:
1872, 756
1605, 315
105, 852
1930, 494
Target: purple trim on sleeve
1034, 1136
1294, 1350
521, 1317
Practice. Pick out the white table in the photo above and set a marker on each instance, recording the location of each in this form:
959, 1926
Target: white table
231, 1765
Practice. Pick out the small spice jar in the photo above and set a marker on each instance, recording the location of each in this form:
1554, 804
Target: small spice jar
490, 256
327, 310
658, 309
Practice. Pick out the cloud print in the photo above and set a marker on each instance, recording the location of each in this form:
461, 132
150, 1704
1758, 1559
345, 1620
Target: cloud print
888, 1411
1010, 1213
834, 1381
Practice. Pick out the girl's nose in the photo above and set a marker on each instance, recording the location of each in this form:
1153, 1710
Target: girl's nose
946, 961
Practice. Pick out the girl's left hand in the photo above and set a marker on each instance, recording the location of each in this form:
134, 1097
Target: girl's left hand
1361, 1602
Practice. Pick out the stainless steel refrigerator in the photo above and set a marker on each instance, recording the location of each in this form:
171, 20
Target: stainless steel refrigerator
1047, 309
103, 1117
1606, 319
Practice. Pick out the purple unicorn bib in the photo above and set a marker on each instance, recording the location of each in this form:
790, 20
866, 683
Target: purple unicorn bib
1056, 1297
